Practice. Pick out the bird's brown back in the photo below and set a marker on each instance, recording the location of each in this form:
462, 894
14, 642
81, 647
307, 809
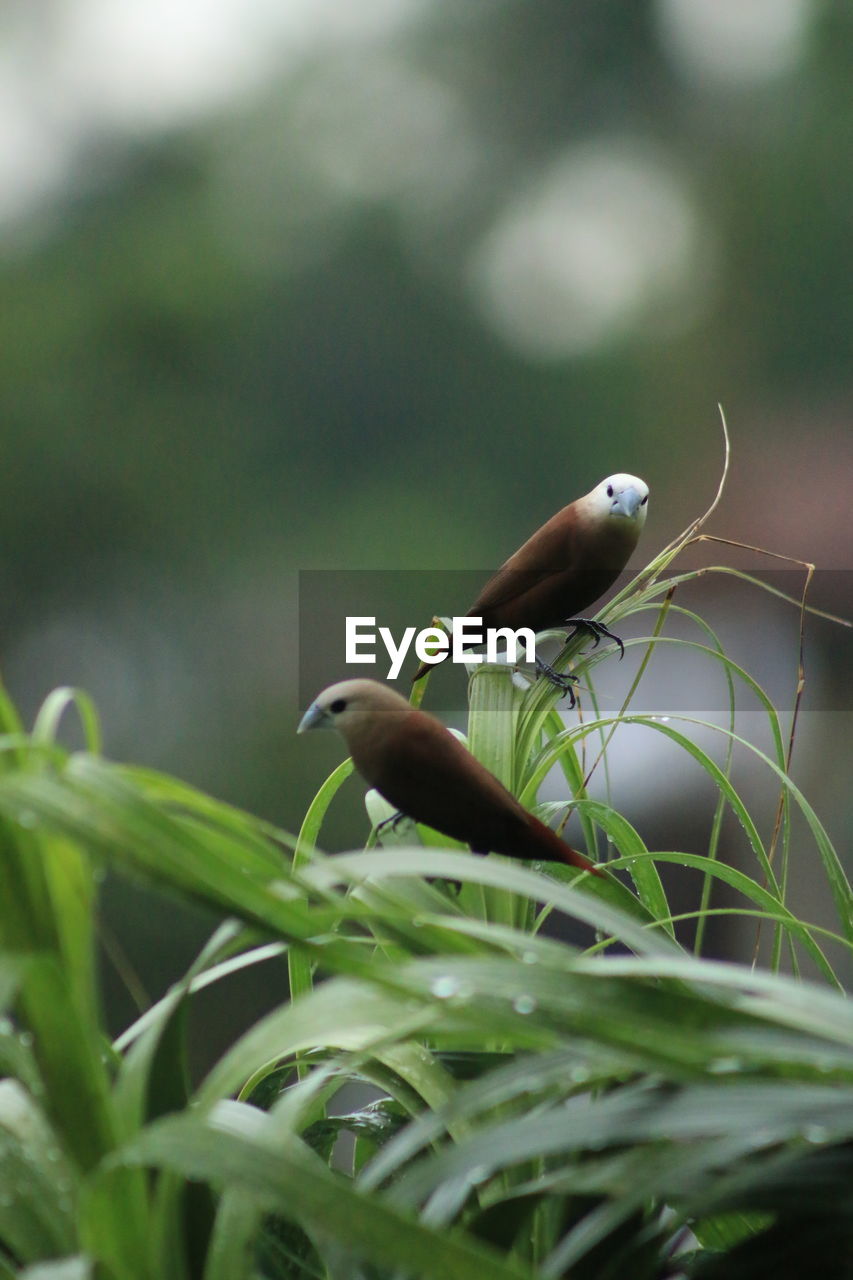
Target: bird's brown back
429, 775
562, 569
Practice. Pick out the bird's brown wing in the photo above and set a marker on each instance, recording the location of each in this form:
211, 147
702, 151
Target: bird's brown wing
541, 584
559, 572
428, 774
547, 552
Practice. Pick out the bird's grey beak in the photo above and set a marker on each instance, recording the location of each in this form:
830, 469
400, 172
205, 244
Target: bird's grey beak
315, 717
626, 503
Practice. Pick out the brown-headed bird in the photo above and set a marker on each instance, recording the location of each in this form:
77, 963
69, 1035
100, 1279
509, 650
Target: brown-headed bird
566, 565
426, 773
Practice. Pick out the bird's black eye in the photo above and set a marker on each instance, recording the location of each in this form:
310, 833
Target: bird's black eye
338, 706
610, 491
645, 500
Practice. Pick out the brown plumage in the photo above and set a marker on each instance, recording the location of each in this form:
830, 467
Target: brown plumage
425, 772
567, 564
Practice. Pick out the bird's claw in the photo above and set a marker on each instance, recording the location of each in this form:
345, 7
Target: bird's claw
561, 680
392, 822
596, 629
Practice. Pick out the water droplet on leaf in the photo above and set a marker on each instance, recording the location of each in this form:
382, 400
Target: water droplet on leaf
524, 1004
445, 987
724, 1066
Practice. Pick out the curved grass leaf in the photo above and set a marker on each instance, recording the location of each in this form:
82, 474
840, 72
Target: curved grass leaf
231, 1150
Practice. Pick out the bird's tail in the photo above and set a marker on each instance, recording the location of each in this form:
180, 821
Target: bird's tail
423, 669
547, 846
428, 666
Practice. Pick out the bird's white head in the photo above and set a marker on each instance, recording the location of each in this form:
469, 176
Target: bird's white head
622, 497
351, 704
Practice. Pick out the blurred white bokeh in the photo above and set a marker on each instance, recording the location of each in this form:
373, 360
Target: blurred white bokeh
732, 42
90, 70
607, 239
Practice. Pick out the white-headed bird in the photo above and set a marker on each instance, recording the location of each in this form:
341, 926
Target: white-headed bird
567, 564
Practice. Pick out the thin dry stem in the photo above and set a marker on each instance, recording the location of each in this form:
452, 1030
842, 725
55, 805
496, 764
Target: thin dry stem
805, 565
693, 528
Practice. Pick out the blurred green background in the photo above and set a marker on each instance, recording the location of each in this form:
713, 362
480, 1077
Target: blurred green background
307, 284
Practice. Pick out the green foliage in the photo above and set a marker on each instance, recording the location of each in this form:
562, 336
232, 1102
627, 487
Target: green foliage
615, 1106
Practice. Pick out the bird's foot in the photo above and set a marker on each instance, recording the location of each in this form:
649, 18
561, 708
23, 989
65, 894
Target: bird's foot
596, 629
562, 681
390, 824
